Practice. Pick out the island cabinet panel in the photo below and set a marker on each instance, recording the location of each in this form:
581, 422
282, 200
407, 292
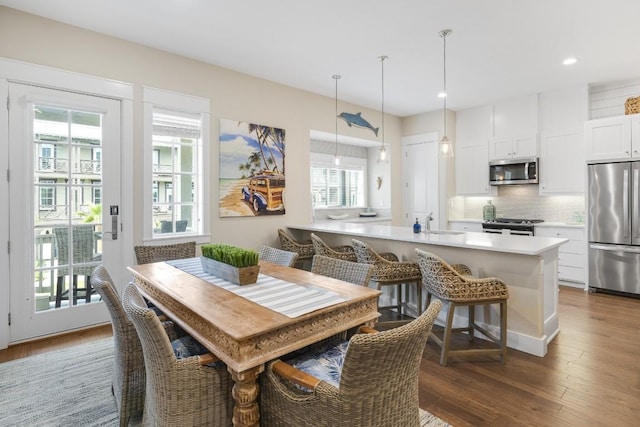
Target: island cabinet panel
571, 255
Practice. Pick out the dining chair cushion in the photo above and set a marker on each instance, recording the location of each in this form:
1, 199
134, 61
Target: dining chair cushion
323, 363
187, 346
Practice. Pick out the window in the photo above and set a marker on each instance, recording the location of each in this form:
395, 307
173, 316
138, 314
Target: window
176, 141
47, 195
338, 186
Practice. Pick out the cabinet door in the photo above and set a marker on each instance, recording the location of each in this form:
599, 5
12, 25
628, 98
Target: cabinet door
472, 170
608, 139
525, 146
635, 137
500, 148
562, 167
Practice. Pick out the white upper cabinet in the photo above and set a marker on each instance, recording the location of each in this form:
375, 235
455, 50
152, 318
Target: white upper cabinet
473, 130
613, 138
562, 163
515, 128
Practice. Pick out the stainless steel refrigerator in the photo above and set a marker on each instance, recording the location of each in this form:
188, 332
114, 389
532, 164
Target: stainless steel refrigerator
614, 226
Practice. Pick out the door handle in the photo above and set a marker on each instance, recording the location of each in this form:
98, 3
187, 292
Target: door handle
113, 210
625, 203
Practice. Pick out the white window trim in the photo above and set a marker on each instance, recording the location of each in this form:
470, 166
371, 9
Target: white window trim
153, 97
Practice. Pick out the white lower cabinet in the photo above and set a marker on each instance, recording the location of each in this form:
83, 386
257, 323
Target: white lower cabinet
571, 255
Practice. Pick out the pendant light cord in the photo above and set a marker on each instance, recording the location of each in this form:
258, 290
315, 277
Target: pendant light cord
444, 79
382, 59
336, 77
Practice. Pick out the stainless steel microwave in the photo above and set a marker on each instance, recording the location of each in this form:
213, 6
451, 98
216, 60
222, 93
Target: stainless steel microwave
513, 171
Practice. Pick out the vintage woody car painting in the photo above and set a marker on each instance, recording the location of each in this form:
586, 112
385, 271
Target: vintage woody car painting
252, 178
264, 192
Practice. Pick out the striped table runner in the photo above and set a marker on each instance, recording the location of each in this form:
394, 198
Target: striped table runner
289, 299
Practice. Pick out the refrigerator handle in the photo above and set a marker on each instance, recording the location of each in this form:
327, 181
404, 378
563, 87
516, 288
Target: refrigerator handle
625, 202
636, 213
616, 248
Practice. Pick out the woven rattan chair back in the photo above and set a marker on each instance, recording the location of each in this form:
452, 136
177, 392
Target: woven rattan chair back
278, 256
321, 248
157, 253
128, 381
179, 392
378, 383
288, 243
454, 285
352, 272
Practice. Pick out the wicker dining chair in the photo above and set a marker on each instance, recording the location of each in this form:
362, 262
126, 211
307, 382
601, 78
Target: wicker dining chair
369, 381
278, 256
352, 272
303, 249
345, 252
156, 253
128, 377
191, 391
391, 273
454, 286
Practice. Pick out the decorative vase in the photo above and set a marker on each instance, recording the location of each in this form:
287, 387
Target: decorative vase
239, 276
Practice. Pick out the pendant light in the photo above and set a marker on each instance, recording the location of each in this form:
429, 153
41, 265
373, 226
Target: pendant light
383, 157
336, 159
446, 146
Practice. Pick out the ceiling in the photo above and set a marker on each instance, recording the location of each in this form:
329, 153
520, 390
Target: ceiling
497, 48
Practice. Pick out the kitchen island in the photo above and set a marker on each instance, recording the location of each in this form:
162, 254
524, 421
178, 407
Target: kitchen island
528, 265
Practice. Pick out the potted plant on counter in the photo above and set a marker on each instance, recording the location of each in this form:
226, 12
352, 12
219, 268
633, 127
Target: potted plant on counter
231, 263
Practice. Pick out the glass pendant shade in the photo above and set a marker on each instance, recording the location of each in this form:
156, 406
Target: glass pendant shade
382, 151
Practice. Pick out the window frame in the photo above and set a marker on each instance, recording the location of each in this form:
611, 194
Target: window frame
180, 103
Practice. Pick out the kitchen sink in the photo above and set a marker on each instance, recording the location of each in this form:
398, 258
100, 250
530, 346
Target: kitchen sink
444, 232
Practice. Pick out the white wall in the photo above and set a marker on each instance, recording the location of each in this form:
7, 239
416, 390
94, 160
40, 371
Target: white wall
233, 95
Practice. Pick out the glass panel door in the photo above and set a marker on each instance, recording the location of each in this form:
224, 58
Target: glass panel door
65, 136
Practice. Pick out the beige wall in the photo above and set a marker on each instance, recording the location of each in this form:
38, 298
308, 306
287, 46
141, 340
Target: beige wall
233, 95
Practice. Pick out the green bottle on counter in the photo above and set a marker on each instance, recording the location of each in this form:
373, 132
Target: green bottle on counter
488, 211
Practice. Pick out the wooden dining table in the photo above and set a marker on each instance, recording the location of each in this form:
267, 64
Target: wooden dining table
245, 335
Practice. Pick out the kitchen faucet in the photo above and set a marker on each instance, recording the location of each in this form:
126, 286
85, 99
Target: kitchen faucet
427, 222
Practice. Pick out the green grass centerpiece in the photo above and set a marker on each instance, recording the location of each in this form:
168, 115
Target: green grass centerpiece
237, 265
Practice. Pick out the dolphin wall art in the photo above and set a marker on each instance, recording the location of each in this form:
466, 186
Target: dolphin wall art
358, 121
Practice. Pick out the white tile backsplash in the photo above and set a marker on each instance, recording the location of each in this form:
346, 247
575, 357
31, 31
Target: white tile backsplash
520, 201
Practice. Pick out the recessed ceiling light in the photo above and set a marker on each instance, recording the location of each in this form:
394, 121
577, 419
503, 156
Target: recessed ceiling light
569, 61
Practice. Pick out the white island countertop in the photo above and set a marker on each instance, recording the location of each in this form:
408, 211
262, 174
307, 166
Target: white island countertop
524, 245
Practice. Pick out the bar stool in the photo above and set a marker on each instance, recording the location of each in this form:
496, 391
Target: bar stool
288, 243
454, 286
386, 273
345, 253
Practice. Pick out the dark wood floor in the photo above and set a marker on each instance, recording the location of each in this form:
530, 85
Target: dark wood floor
590, 376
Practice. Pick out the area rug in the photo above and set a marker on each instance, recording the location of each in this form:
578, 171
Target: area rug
72, 387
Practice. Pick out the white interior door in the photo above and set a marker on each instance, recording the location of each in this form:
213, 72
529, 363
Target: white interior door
421, 182
59, 200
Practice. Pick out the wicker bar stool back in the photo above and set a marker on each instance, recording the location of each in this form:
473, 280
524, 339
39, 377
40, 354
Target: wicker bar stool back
454, 286
303, 249
179, 392
388, 273
157, 253
345, 253
352, 272
278, 256
378, 383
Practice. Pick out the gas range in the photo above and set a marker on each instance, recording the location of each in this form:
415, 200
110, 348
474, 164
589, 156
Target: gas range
516, 226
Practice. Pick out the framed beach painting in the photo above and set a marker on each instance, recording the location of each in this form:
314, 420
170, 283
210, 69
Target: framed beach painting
252, 178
